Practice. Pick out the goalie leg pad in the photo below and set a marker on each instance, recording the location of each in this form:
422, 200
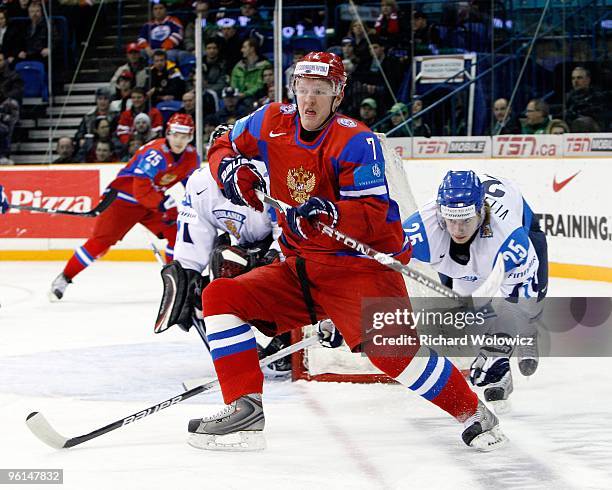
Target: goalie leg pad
182, 294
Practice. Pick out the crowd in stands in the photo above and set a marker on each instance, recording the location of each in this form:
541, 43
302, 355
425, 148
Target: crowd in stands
157, 77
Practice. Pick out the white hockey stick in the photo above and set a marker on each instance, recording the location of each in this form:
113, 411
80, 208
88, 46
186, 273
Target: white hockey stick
43, 430
478, 299
302, 344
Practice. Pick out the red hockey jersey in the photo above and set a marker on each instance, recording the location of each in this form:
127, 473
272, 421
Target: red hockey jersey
345, 164
152, 171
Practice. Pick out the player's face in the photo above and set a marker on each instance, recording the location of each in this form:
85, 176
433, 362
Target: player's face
314, 98
461, 230
178, 141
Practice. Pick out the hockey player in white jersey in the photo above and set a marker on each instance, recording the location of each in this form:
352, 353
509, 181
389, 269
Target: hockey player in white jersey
4, 204
460, 235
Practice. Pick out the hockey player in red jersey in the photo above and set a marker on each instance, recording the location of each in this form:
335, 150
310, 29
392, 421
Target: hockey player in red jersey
330, 168
141, 198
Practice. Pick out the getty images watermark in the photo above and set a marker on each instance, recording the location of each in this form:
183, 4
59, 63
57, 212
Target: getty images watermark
561, 326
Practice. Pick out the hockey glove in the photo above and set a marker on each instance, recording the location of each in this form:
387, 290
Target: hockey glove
302, 220
240, 178
4, 204
270, 256
169, 211
492, 363
329, 335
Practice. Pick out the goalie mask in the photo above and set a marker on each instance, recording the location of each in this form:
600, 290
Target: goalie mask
230, 261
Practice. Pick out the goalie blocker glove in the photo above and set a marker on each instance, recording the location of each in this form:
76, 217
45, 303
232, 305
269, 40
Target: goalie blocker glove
240, 178
329, 335
181, 297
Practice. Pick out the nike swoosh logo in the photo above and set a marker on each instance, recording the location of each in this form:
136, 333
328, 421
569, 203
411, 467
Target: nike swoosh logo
557, 186
198, 193
274, 135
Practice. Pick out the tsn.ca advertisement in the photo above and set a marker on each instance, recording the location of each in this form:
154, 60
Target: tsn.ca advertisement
570, 198
505, 146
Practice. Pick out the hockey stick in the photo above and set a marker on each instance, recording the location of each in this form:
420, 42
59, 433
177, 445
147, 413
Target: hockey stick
480, 298
43, 430
104, 203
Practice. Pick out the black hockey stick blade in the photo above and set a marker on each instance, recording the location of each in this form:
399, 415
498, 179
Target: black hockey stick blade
104, 203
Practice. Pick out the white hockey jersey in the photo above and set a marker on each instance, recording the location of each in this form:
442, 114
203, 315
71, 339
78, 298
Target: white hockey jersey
507, 233
204, 210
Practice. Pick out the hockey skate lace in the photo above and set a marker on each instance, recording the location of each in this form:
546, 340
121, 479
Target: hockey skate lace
530, 351
224, 412
473, 419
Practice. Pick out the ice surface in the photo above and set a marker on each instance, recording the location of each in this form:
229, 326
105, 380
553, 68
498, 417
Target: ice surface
93, 358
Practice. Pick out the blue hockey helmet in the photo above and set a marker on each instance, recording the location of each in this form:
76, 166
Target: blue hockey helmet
460, 195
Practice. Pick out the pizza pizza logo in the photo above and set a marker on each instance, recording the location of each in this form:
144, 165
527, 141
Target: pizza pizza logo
300, 183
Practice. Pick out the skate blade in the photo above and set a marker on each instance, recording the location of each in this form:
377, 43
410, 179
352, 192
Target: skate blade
500, 407
489, 441
238, 441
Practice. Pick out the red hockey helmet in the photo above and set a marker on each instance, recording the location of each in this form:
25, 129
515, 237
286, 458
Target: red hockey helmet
322, 65
180, 123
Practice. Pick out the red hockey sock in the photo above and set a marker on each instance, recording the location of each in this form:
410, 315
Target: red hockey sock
84, 256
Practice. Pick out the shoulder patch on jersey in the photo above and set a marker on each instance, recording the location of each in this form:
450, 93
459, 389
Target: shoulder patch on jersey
288, 108
346, 122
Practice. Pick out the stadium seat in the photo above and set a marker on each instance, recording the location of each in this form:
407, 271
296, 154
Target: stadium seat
307, 43
34, 79
168, 107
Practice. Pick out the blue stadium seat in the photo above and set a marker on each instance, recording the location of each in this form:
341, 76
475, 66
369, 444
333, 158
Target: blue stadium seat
307, 43
168, 107
34, 78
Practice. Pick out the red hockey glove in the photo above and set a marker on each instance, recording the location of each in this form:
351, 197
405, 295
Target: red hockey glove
302, 220
240, 178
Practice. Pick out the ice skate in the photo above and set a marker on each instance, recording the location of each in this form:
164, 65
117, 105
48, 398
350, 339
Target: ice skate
238, 427
528, 356
482, 430
58, 287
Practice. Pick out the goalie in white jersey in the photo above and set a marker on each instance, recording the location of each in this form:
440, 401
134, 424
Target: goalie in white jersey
202, 254
460, 235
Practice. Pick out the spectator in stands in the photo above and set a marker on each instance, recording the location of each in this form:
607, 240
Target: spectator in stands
140, 104
18, 8
362, 49
250, 16
189, 104
230, 41
142, 128
585, 124
368, 111
417, 126
537, 117
11, 83
388, 25
214, 68
132, 148
102, 132
298, 54
102, 109
505, 122
11, 38
349, 58
558, 126
123, 93
247, 76
162, 32
35, 43
163, 80
583, 99
203, 7
135, 64
9, 115
424, 34
233, 108
210, 123
104, 153
369, 74
65, 150
262, 94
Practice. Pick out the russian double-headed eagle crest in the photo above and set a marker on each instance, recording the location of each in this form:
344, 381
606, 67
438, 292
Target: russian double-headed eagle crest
167, 179
300, 183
